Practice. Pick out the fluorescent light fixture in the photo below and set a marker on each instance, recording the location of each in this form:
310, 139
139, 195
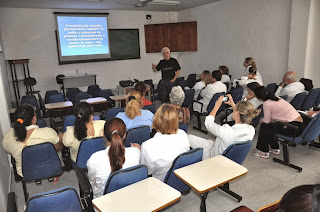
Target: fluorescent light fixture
165, 2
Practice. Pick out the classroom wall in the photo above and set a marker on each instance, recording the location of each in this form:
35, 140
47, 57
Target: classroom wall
313, 46
229, 31
30, 33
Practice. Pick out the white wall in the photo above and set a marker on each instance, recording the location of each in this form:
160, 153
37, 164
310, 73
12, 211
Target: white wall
313, 46
30, 33
231, 30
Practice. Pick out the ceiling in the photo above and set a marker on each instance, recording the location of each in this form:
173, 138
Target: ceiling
103, 5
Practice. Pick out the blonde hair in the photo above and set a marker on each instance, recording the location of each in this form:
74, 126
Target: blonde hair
247, 111
251, 62
208, 79
134, 104
165, 120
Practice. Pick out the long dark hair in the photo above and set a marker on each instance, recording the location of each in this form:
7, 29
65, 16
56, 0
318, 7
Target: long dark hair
114, 131
83, 111
24, 115
262, 93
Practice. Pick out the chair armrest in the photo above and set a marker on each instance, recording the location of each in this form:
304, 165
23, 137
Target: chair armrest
200, 104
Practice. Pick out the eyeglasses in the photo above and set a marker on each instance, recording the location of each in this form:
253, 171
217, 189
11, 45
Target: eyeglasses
166, 53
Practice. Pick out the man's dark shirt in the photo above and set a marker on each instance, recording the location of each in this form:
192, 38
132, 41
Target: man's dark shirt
168, 68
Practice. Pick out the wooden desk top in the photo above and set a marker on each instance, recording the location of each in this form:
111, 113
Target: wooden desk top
58, 105
211, 173
75, 76
147, 195
96, 100
119, 97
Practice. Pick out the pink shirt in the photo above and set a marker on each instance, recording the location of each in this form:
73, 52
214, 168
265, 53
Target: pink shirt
279, 111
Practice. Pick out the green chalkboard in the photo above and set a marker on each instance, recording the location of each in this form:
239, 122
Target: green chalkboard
124, 44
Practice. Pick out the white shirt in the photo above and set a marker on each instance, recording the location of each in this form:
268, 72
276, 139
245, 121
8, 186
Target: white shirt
159, 152
244, 81
247, 72
197, 88
207, 95
227, 135
99, 167
225, 78
291, 90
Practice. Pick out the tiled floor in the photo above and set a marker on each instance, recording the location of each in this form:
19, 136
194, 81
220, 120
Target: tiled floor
265, 182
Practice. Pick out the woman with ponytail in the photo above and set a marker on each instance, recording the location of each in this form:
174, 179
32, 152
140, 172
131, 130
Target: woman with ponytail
243, 113
84, 128
25, 133
115, 157
251, 77
134, 116
275, 109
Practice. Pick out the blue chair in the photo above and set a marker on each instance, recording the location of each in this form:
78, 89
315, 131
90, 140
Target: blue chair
55, 98
236, 94
106, 93
112, 112
297, 101
31, 100
209, 109
68, 121
137, 135
310, 133
71, 93
184, 159
272, 87
94, 90
150, 82
188, 99
178, 80
41, 123
79, 96
39, 161
227, 84
318, 101
125, 177
192, 78
87, 148
236, 152
184, 127
151, 108
311, 99
48, 94
183, 83
285, 97
63, 199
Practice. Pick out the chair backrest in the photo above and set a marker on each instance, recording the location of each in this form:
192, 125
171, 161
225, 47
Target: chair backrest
179, 79
125, 177
184, 127
227, 84
237, 94
79, 96
112, 112
54, 98
272, 87
137, 135
151, 108
71, 93
40, 161
68, 121
184, 159
31, 100
213, 101
29, 81
192, 78
238, 151
311, 99
106, 93
273, 207
41, 123
48, 94
188, 99
58, 79
94, 90
312, 130
62, 199
149, 82
297, 101
87, 148
183, 83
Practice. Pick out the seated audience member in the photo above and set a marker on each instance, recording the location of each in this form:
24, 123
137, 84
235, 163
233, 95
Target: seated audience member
84, 128
211, 89
243, 113
275, 109
176, 97
251, 96
249, 62
25, 133
289, 86
159, 152
206, 78
251, 77
225, 74
115, 157
141, 87
304, 198
134, 116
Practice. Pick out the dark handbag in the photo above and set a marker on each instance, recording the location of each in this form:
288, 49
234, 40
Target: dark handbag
126, 83
307, 84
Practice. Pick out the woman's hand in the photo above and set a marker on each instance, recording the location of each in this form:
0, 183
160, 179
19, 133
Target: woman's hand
219, 102
135, 145
230, 101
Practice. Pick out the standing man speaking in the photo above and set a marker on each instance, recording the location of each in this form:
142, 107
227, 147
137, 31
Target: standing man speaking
170, 70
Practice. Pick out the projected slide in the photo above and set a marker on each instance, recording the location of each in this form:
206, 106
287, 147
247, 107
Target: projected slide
83, 35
